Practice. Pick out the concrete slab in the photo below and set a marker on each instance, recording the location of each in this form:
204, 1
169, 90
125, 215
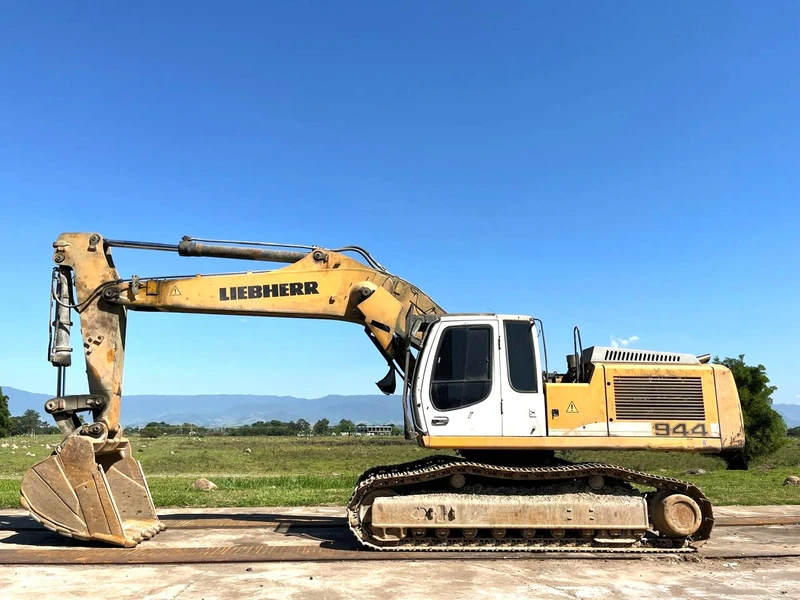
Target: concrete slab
717, 573
443, 580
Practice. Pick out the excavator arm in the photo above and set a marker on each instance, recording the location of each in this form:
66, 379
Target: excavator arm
91, 487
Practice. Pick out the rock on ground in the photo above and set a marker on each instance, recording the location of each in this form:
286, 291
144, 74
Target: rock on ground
204, 484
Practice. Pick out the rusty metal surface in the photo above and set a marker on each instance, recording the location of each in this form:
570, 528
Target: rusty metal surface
250, 521
759, 521
229, 554
275, 535
269, 553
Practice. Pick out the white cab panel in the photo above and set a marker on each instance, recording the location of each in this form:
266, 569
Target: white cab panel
459, 390
523, 405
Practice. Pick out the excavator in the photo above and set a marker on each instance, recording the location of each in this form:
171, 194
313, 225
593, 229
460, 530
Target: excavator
477, 385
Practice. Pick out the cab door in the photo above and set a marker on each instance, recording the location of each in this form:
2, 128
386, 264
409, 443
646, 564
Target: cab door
521, 384
459, 394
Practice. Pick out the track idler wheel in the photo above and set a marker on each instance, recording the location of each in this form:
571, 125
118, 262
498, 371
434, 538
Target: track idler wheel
676, 515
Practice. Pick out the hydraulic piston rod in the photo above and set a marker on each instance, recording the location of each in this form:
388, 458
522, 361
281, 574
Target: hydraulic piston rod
190, 248
61, 352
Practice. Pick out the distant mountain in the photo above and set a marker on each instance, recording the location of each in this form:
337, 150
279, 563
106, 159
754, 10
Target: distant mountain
790, 413
19, 401
223, 410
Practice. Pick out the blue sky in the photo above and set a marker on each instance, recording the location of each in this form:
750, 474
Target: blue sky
628, 167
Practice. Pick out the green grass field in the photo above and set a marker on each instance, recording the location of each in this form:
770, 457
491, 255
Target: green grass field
284, 471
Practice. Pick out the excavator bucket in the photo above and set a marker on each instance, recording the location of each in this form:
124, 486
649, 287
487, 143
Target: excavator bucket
87, 497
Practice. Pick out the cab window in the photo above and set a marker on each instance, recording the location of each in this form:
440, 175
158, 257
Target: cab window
520, 356
463, 372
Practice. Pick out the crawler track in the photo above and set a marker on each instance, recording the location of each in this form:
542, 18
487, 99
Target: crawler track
432, 470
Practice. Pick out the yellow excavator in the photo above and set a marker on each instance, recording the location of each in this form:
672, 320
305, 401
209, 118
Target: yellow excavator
477, 383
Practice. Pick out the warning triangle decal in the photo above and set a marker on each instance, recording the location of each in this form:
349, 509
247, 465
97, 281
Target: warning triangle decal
571, 408
175, 291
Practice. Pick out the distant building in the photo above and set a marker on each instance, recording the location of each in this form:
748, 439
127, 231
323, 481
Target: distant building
373, 429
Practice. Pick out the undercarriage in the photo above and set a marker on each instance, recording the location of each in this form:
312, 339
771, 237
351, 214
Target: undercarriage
452, 503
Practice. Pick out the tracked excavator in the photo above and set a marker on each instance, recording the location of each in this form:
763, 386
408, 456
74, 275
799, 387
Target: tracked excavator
472, 383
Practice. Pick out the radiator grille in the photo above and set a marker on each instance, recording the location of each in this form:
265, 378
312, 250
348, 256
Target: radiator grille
646, 398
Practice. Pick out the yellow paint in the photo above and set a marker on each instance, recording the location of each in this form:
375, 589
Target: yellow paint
569, 443
575, 410
731, 423
578, 405
340, 282
381, 308
578, 412
704, 372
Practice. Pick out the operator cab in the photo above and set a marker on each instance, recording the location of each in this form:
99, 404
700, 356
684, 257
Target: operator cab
478, 375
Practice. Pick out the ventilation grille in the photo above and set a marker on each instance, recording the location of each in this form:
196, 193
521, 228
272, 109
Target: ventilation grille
640, 356
596, 354
647, 398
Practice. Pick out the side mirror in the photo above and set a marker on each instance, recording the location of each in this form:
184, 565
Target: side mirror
389, 382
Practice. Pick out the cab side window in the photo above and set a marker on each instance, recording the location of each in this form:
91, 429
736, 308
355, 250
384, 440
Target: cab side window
463, 372
520, 356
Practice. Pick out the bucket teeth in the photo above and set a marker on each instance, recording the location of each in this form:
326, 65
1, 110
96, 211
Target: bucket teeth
103, 498
142, 531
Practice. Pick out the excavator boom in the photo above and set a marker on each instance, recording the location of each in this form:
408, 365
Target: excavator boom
91, 487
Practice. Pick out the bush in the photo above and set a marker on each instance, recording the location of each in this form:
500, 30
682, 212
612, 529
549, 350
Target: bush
5, 416
764, 429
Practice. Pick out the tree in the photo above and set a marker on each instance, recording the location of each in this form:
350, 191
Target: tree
5, 415
764, 428
153, 430
321, 427
794, 432
303, 426
150, 432
30, 423
345, 426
